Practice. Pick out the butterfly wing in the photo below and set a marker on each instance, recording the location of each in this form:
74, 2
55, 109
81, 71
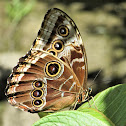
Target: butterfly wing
41, 81
60, 36
45, 82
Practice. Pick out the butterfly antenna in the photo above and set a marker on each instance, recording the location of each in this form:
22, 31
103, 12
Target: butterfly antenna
89, 90
96, 76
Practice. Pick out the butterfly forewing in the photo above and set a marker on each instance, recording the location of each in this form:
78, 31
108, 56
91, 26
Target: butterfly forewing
62, 38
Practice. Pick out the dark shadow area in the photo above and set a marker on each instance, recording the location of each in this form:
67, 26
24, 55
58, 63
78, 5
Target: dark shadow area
4, 73
97, 84
87, 5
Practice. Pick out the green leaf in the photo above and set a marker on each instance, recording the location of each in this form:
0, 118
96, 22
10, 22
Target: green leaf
42, 114
112, 103
17, 9
88, 117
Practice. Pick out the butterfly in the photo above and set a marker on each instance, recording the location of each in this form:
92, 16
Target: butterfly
53, 74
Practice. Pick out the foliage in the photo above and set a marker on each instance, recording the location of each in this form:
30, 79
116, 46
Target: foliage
17, 9
107, 109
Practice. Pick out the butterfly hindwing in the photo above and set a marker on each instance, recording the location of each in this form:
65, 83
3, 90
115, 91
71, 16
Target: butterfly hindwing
34, 80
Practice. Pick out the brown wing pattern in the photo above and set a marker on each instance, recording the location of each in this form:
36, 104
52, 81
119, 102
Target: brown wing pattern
72, 51
31, 71
53, 74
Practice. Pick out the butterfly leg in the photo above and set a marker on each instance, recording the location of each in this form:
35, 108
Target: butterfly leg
74, 105
93, 102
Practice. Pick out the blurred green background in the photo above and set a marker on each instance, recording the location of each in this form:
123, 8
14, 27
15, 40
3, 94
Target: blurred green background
102, 25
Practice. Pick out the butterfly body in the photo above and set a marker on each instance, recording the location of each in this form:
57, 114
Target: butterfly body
53, 74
